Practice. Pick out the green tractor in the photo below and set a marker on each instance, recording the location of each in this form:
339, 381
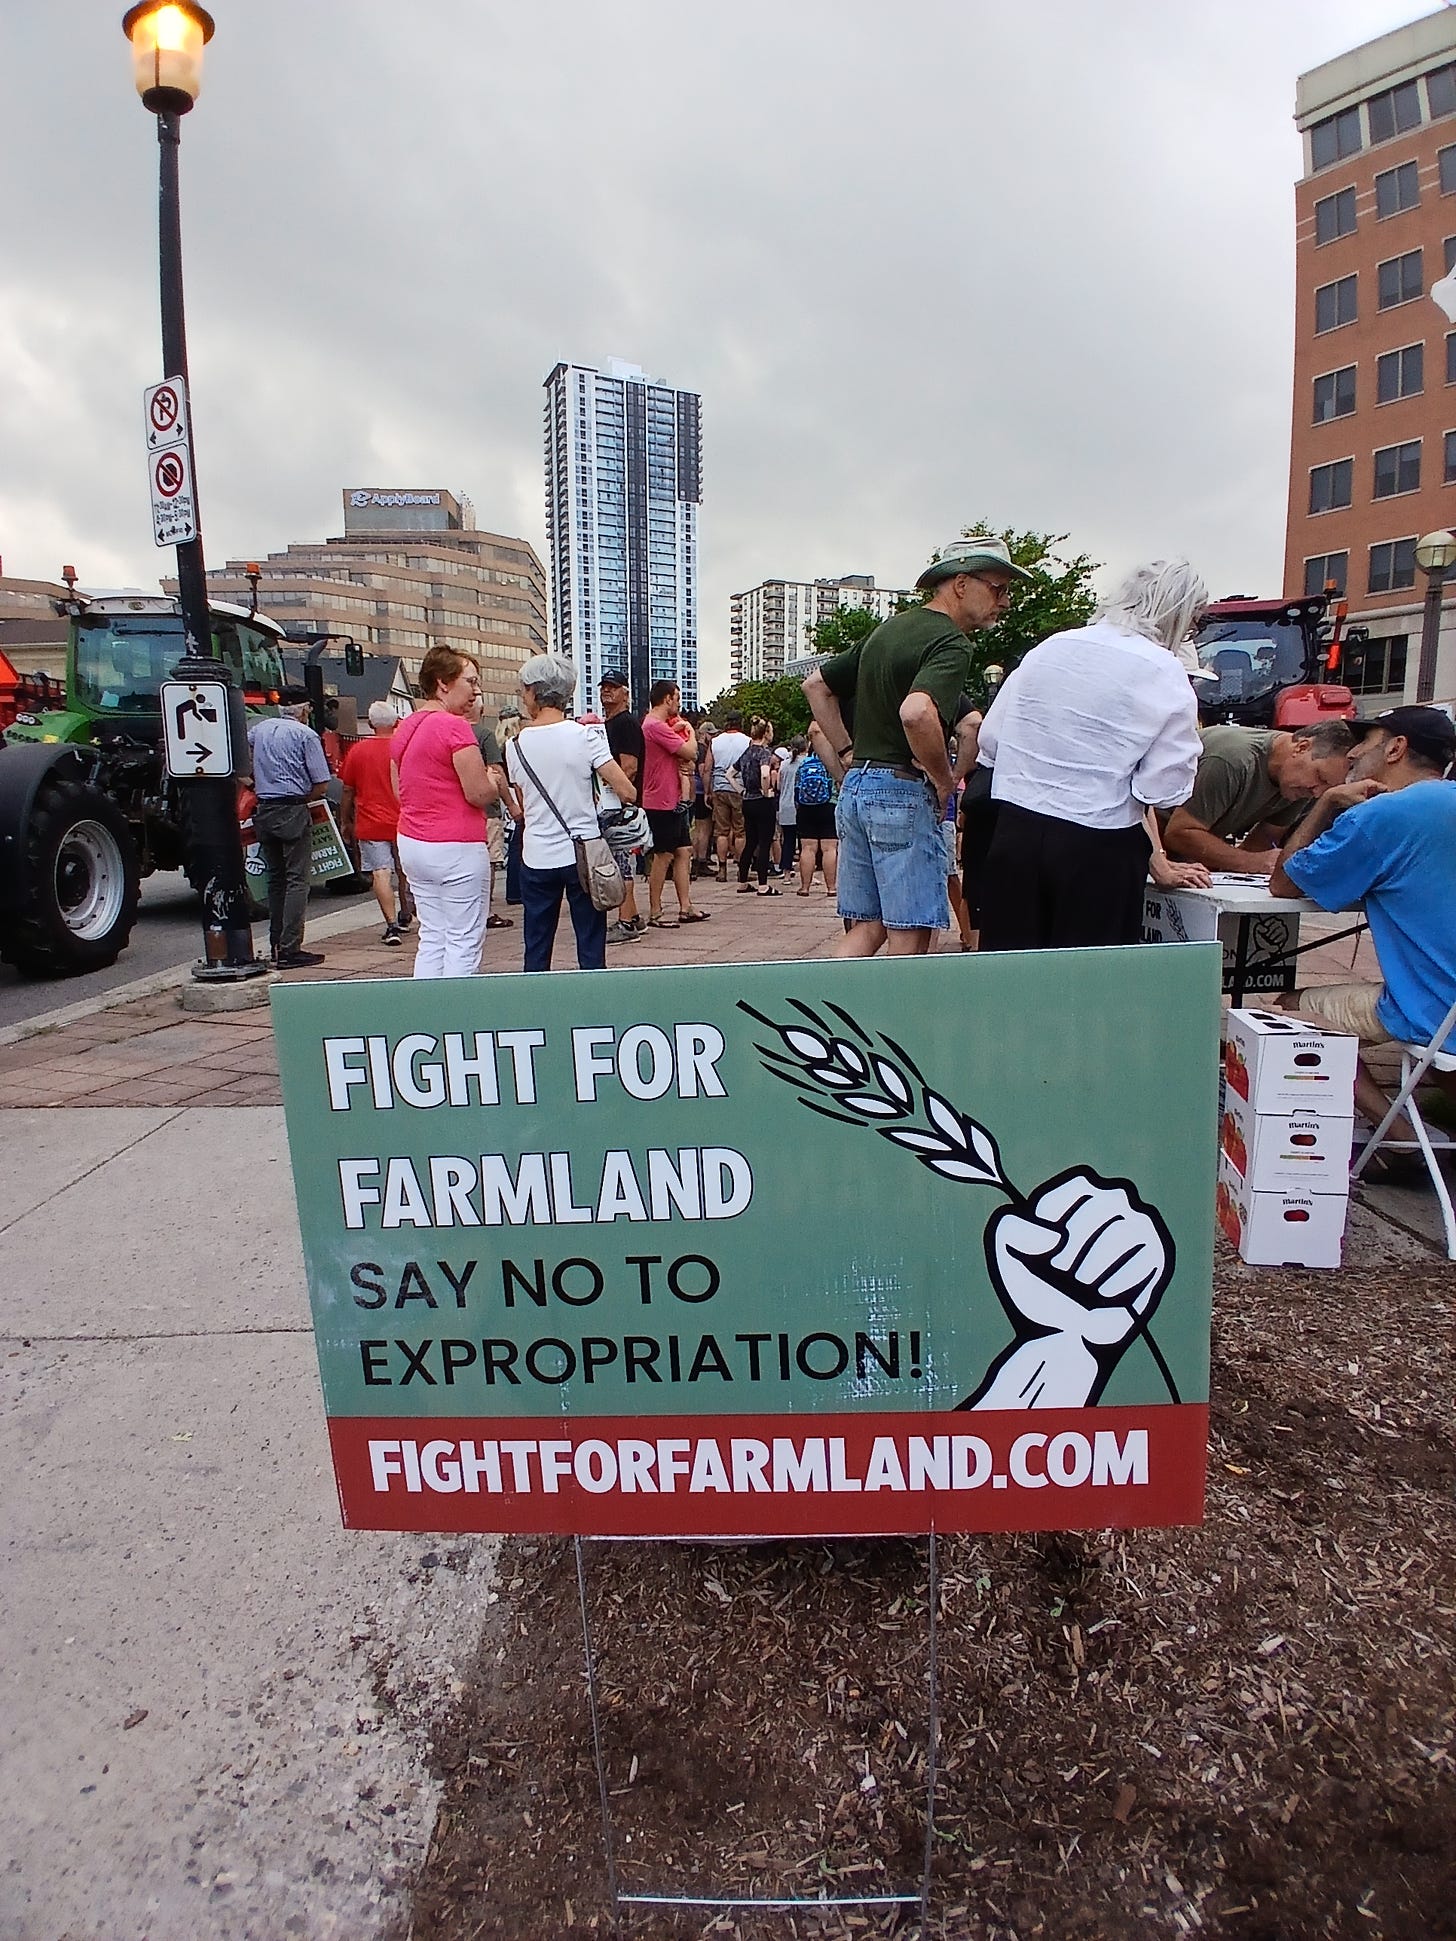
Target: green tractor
86, 806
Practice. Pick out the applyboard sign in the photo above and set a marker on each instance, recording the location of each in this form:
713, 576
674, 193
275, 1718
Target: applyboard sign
763, 1249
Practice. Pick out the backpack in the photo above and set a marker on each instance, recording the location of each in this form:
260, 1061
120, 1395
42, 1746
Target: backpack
811, 784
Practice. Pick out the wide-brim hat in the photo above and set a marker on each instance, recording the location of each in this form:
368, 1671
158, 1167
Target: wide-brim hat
975, 555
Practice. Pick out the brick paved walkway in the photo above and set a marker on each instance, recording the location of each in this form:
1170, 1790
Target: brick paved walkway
150, 1052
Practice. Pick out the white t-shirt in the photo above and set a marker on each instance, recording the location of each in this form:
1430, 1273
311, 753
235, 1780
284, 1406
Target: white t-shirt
727, 748
565, 754
1091, 726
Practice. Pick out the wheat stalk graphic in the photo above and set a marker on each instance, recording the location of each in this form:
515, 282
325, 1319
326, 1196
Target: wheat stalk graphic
875, 1082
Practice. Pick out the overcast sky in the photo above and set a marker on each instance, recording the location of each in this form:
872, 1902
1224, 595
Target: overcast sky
926, 261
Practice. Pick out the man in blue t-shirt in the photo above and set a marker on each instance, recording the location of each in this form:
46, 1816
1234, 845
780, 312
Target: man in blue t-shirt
1386, 840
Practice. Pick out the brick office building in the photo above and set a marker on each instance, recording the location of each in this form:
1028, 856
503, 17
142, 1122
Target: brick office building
1373, 451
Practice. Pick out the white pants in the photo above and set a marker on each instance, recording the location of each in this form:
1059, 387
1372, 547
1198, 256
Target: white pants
451, 884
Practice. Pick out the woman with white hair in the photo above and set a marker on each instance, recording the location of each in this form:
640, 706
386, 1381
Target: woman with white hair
551, 766
1095, 727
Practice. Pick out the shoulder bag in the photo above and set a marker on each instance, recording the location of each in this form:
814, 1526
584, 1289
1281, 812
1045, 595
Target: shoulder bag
596, 866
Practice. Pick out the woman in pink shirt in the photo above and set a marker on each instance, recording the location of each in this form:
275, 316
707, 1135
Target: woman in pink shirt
443, 787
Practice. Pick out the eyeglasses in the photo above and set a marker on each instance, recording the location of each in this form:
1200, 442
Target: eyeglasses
1001, 588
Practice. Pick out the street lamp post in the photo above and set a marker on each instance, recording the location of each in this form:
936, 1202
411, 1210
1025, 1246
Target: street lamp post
167, 38
1435, 555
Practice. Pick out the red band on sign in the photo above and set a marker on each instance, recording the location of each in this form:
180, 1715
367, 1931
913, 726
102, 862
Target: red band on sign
774, 1475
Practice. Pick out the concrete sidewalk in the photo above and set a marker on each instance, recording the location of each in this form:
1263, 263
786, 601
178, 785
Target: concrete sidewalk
217, 1702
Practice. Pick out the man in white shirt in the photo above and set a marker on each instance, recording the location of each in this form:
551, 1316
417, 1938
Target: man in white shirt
726, 792
1093, 728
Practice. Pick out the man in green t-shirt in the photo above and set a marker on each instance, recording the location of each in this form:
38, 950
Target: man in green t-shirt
904, 681
1252, 786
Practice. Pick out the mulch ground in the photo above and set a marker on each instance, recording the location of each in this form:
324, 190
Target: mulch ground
1245, 1730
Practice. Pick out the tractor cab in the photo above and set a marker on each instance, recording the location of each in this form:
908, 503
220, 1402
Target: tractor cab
120, 649
1271, 663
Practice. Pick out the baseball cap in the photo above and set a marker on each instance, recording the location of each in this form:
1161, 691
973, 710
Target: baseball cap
612, 677
1430, 731
975, 555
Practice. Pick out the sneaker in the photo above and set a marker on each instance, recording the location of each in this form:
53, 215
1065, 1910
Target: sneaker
622, 933
298, 959
391, 934
404, 923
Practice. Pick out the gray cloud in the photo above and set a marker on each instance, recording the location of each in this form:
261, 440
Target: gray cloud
925, 263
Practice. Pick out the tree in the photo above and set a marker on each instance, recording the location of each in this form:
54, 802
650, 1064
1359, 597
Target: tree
781, 702
843, 628
1059, 596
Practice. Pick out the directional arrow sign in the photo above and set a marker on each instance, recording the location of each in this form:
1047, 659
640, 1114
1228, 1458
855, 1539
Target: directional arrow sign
164, 408
195, 729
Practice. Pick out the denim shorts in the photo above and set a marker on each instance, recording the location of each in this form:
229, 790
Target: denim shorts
891, 856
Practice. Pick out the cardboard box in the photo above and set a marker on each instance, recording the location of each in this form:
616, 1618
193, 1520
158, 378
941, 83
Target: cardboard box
1280, 1229
1281, 1064
1269, 963
1295, 1152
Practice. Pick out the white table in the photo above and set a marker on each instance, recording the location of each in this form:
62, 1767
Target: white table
1259, 931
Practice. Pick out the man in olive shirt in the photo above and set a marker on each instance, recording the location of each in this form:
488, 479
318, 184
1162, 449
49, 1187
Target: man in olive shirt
905, 681
1251, 789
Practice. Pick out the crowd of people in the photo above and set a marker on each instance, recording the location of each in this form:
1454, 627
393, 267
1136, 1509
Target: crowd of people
1037, 824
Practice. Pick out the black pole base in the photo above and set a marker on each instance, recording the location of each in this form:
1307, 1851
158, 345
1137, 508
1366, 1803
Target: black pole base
229, 973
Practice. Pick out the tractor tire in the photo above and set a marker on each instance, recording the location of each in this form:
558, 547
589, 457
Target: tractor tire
82, 884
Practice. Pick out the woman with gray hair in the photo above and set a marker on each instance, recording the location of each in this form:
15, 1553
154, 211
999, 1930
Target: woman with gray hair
551, 766
1095, 727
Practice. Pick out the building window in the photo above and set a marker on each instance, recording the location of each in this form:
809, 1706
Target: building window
1450, 478
1441, 91
1396, 190
1380, 668
1400, 374
1324, 567
1400, 280
1395, 112
1334, 216
1447, 161
1392, 566
1330, 485
1448, 250
1334, 394
1398, 469
1334, 304
1336, 137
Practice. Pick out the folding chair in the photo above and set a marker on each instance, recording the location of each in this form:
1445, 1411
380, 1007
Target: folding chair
1415, 1062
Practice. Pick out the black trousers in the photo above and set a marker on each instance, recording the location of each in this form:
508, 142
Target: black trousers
760, 819
1053, 885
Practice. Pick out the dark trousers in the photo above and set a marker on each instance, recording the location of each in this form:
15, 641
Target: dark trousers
1053, 885
285, 835
788, 845
760, 819
541, 893
513, 864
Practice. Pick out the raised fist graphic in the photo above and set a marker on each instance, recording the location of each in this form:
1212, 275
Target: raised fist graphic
1079, 1268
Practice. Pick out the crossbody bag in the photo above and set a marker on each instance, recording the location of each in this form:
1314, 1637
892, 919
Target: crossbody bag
596, 866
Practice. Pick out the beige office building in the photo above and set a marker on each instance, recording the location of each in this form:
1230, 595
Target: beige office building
773, 623
411, 570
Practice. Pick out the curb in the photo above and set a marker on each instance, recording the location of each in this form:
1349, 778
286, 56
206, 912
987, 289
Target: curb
337, 923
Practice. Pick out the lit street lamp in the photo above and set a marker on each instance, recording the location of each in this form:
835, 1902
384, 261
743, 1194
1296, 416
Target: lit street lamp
1435, 555
167, 38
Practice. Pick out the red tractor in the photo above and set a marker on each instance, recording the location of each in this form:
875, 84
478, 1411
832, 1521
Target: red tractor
1275, 663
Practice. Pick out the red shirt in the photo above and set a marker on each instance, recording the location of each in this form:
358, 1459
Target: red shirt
662, 772
365, 770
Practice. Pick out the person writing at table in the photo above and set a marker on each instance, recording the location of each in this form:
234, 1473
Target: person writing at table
1386, 839
1251, 788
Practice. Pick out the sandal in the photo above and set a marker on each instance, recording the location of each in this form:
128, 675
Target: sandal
662, 923
695, 916
500, 923
745, 889
803, 892
770, 891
